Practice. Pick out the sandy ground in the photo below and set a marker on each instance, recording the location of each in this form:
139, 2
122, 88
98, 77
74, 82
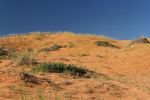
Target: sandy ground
128, 69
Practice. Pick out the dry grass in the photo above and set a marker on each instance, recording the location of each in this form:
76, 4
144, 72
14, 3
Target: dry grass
123, 73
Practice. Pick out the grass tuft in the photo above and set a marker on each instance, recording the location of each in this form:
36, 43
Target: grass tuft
26, 58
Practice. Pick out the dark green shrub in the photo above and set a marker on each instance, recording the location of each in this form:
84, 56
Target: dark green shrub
50, 67
104, 43
52, 48
76, 70
60, 68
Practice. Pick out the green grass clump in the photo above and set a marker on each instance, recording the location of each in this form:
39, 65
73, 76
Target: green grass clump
52, 48
104, 43
60, 68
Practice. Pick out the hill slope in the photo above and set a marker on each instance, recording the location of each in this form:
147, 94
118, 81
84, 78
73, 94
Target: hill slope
122, 72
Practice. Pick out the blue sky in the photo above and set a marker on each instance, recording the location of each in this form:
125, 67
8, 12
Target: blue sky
120, 19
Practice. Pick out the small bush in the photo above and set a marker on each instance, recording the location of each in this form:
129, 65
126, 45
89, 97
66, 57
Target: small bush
11, 54
25, 58
52, 48
2, 51
104, 43
39, 36
139, 40
55, 47
60, 68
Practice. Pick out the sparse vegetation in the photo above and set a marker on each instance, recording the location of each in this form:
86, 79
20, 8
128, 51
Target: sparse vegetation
71, 45
83, 54
11, 54
39, 36
139, 40
24, 95
40, 94
52, 48
104, 43
25, 58
60, 68
5, 53
2, 51
109, 74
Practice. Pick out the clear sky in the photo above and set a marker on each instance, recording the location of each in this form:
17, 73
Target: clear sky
120, 19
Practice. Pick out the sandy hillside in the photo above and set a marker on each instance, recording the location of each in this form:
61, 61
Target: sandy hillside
120, 73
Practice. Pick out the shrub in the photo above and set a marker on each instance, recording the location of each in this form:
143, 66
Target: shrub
75, 70
139, 40
45, 49
55, 47
25, 58
104, 43
11, 54
59, 68
39, 36
52, 48
2, 51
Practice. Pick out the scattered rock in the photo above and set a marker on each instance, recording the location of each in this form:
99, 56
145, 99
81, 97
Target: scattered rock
28, 78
